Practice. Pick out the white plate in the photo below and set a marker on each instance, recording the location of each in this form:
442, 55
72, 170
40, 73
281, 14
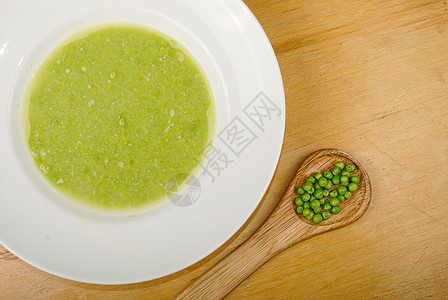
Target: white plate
45, 230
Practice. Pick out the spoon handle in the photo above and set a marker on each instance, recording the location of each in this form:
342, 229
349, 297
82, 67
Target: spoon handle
225, 276
276, 234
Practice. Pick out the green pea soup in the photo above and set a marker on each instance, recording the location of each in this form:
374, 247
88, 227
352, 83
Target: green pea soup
116, 113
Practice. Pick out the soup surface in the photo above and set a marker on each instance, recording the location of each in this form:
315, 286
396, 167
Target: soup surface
114, 116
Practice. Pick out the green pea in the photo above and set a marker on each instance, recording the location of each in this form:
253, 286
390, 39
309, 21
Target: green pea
336, 180
317, 219
307, 212
328, 175
335, 171
344, 179
323, 182
326, 215
322, 201
335, 210
317, 175
311, 179
317, 186
299, 209
340, 165
317, 210
300, 190
310, 215
312, 198
298, 201
345, 173
345, 184
306, 205
307, 186
311, 191
329, 185
326, 193
347, 195
342, 190
352, 187
350, 167
314, 204
335, 202
341, 198
306, 197
326, 206
354, 179
334, 193
319, 194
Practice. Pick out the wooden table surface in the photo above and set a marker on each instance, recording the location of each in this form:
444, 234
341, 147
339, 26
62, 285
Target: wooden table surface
366, 76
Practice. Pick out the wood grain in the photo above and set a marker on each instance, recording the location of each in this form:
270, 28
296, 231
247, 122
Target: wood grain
282, 229
369, 77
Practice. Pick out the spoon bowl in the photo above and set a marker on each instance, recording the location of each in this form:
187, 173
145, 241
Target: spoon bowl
282, 229
322, 160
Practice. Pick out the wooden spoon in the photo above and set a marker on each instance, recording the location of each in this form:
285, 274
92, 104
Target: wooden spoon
282, 229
